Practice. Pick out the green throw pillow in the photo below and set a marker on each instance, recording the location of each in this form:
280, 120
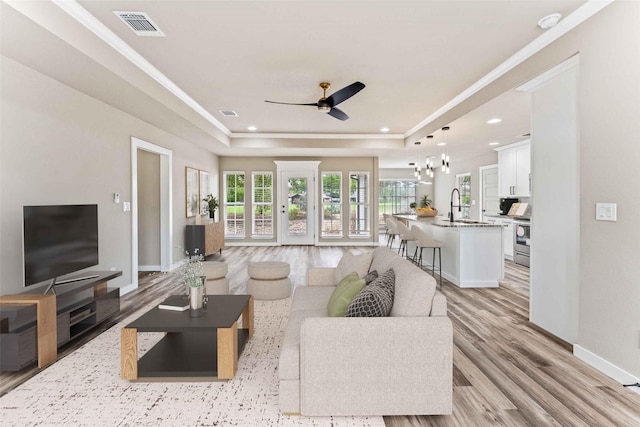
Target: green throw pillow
342, 295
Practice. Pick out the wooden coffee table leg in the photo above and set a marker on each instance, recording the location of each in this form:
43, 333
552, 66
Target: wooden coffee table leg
227, 352
129, 353
247, 317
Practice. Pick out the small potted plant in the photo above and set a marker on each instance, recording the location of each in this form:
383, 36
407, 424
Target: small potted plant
212, 205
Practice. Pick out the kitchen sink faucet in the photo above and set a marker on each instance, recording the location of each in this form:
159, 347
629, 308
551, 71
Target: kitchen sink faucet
459, 205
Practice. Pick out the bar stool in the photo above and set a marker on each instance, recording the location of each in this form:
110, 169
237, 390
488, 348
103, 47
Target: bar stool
393, 230
405, 236
424, 241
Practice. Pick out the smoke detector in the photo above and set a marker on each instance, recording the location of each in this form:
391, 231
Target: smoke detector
549, 21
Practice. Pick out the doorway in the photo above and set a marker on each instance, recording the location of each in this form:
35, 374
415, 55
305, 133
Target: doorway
489, 200
166, 220
297, 202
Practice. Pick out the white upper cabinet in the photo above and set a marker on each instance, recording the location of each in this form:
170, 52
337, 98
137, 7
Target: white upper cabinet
514, 178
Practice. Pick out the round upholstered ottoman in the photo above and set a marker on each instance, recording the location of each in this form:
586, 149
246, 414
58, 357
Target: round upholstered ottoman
217, 282
269, 280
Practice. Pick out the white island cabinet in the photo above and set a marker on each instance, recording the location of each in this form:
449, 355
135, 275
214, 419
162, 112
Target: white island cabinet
472, 255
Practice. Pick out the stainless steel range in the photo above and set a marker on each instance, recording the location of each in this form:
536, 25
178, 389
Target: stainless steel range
521, 241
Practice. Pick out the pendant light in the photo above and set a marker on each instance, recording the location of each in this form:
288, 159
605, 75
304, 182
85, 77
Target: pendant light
445, 156
418, 171
429, 162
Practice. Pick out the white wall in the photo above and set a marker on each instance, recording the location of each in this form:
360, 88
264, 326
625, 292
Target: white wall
59, 146
556, 206
444, 183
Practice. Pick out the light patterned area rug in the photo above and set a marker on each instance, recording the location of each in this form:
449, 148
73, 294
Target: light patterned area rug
85, 388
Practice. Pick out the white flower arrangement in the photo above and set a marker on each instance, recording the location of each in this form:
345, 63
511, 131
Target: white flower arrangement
192, 270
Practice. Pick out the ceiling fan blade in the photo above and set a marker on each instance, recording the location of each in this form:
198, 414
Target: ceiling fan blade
338, 114
315, 104
344, 93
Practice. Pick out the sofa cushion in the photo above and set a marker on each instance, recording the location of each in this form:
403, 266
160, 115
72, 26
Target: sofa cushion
414, 288
376, 299
311, 297
289, 362
350, 263
343, 294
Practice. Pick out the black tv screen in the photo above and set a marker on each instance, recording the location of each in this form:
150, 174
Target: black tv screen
58, 240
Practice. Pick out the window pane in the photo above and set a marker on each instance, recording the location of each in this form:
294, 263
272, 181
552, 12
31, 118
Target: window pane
395, 196
234, 204
331, 204
359, 204
262, 210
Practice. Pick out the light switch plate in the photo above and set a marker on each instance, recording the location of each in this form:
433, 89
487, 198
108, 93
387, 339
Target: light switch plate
606, 211
126, 206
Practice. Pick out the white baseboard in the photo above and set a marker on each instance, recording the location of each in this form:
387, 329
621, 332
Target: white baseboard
352, 243
126, 289
228, 243
149, 268
606, 367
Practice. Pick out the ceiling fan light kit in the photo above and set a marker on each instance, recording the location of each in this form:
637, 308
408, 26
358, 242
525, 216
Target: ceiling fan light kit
328, 104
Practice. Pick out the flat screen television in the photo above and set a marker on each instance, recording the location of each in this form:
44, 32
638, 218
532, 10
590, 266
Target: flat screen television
59, 240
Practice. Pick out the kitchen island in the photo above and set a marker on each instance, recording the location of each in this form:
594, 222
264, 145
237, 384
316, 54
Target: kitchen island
472, 255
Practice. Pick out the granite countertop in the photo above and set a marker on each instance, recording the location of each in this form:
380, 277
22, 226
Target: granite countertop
441, 221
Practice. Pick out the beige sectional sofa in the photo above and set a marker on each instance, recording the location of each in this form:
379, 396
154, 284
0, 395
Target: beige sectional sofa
396, 365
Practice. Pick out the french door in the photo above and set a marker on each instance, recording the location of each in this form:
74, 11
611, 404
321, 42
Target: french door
297, 207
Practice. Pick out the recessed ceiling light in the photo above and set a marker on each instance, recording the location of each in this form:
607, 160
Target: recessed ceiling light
384, 129
494, 143
494, 121
252, 128
440, 144
549, 21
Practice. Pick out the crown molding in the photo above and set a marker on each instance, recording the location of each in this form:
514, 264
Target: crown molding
90, 22
567, 24
254, 135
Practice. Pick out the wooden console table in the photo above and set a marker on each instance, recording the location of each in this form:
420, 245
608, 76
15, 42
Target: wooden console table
46, 322
76, 308
205, 239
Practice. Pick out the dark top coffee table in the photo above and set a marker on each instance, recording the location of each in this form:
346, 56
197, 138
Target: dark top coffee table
205, 347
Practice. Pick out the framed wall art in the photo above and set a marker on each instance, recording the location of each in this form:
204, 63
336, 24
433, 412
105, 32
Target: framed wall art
205, 189
192, 191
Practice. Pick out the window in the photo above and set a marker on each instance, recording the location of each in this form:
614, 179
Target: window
359, 204
331, 204
464, 185
234, 204
262, 204
395, 196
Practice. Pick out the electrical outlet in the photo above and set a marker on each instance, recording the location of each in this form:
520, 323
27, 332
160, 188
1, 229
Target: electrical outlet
112, 269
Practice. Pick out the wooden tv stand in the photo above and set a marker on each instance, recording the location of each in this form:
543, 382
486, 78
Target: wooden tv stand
34, 325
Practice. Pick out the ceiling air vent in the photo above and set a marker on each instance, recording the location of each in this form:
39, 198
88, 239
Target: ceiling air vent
140, 23
229, 113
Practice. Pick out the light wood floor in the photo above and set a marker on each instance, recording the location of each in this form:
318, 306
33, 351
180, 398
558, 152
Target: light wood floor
506, 371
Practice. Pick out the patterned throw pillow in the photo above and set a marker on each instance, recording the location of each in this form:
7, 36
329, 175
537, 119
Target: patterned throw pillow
370, 277
376, 299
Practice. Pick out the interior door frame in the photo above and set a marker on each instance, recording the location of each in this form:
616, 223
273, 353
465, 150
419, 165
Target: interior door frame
166, 217
297, 166
481, 183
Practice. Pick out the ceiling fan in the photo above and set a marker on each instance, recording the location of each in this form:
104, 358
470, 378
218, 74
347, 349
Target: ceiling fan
328, 104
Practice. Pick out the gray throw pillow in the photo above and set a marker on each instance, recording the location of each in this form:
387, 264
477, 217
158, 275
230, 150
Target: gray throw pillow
370, 277
376, 299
